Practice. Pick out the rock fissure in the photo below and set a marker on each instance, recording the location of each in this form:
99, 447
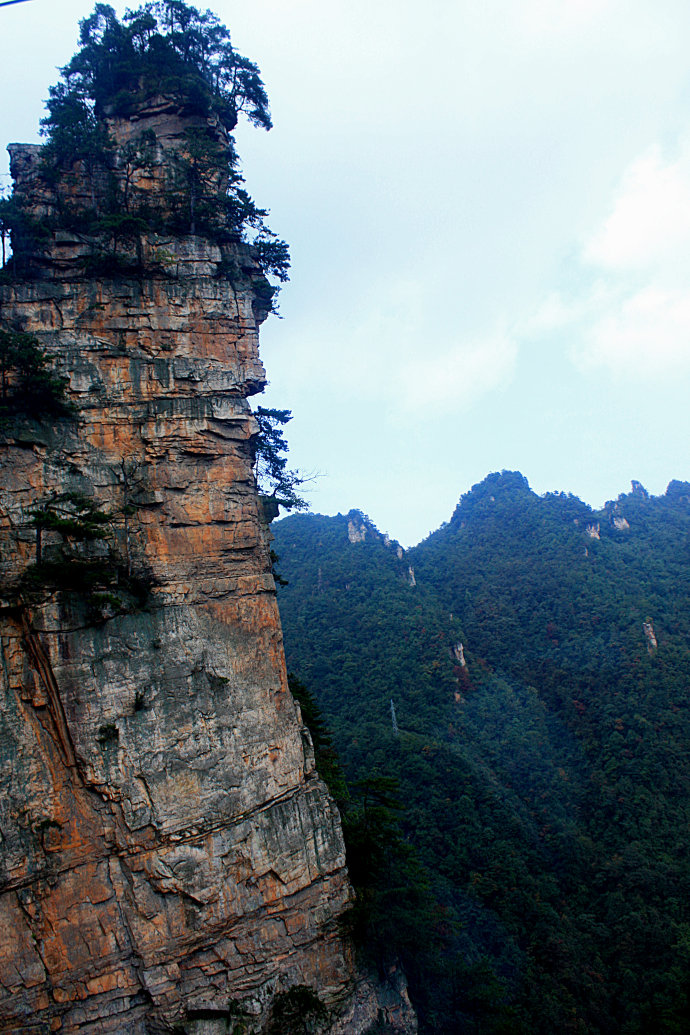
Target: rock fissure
42, 665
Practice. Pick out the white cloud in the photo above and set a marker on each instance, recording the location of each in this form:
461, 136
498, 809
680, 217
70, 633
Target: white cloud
647, 335
650, 222
552, 313
633, 318
456, 378
399, 355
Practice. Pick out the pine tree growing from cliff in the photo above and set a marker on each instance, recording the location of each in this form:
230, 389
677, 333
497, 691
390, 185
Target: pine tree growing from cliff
277, 483
28, 386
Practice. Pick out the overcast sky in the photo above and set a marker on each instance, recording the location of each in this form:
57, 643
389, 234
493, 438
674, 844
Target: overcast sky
488, 209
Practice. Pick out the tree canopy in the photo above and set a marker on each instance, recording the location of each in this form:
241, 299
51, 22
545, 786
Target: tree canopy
162, 47
543, 768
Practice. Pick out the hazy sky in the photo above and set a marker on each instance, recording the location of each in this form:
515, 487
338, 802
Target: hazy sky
488, 208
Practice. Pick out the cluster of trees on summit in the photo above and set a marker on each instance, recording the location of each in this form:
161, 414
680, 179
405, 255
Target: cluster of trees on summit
518, 829
163, 50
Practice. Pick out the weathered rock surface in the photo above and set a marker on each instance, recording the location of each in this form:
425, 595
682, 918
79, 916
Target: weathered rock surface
166, 847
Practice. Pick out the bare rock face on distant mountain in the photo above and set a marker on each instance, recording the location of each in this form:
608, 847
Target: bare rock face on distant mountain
169, 857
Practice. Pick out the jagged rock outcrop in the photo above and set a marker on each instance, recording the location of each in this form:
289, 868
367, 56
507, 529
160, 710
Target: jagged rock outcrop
168, 853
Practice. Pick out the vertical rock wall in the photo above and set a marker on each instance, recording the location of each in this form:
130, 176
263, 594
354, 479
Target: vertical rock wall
167, 852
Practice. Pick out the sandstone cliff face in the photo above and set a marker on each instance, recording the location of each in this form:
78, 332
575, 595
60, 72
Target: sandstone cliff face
168, 853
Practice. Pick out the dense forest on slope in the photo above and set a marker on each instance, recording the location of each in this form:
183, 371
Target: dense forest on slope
510, 703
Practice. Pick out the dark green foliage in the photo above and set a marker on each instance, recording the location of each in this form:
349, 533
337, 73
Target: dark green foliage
23, 238
546, 785
102, 585
76, 134
299, 1011
239, 1019
77, 556
73, 515
276, 482
395, 909
273, 254
13, 222
163, 47
393, 905
29, 388
325, 755
382, 1027
108, 734
109, 264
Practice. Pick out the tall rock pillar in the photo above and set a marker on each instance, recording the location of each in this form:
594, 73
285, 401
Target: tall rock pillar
168, 855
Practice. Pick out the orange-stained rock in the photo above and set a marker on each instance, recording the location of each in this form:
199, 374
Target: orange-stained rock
165, 847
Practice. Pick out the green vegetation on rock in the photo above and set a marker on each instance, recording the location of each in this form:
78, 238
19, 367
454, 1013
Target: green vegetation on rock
276, 482
29, 388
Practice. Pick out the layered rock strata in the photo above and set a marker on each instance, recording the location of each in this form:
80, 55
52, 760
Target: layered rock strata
169, 857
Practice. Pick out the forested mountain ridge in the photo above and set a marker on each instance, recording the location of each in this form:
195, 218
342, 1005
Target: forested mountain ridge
537, 654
